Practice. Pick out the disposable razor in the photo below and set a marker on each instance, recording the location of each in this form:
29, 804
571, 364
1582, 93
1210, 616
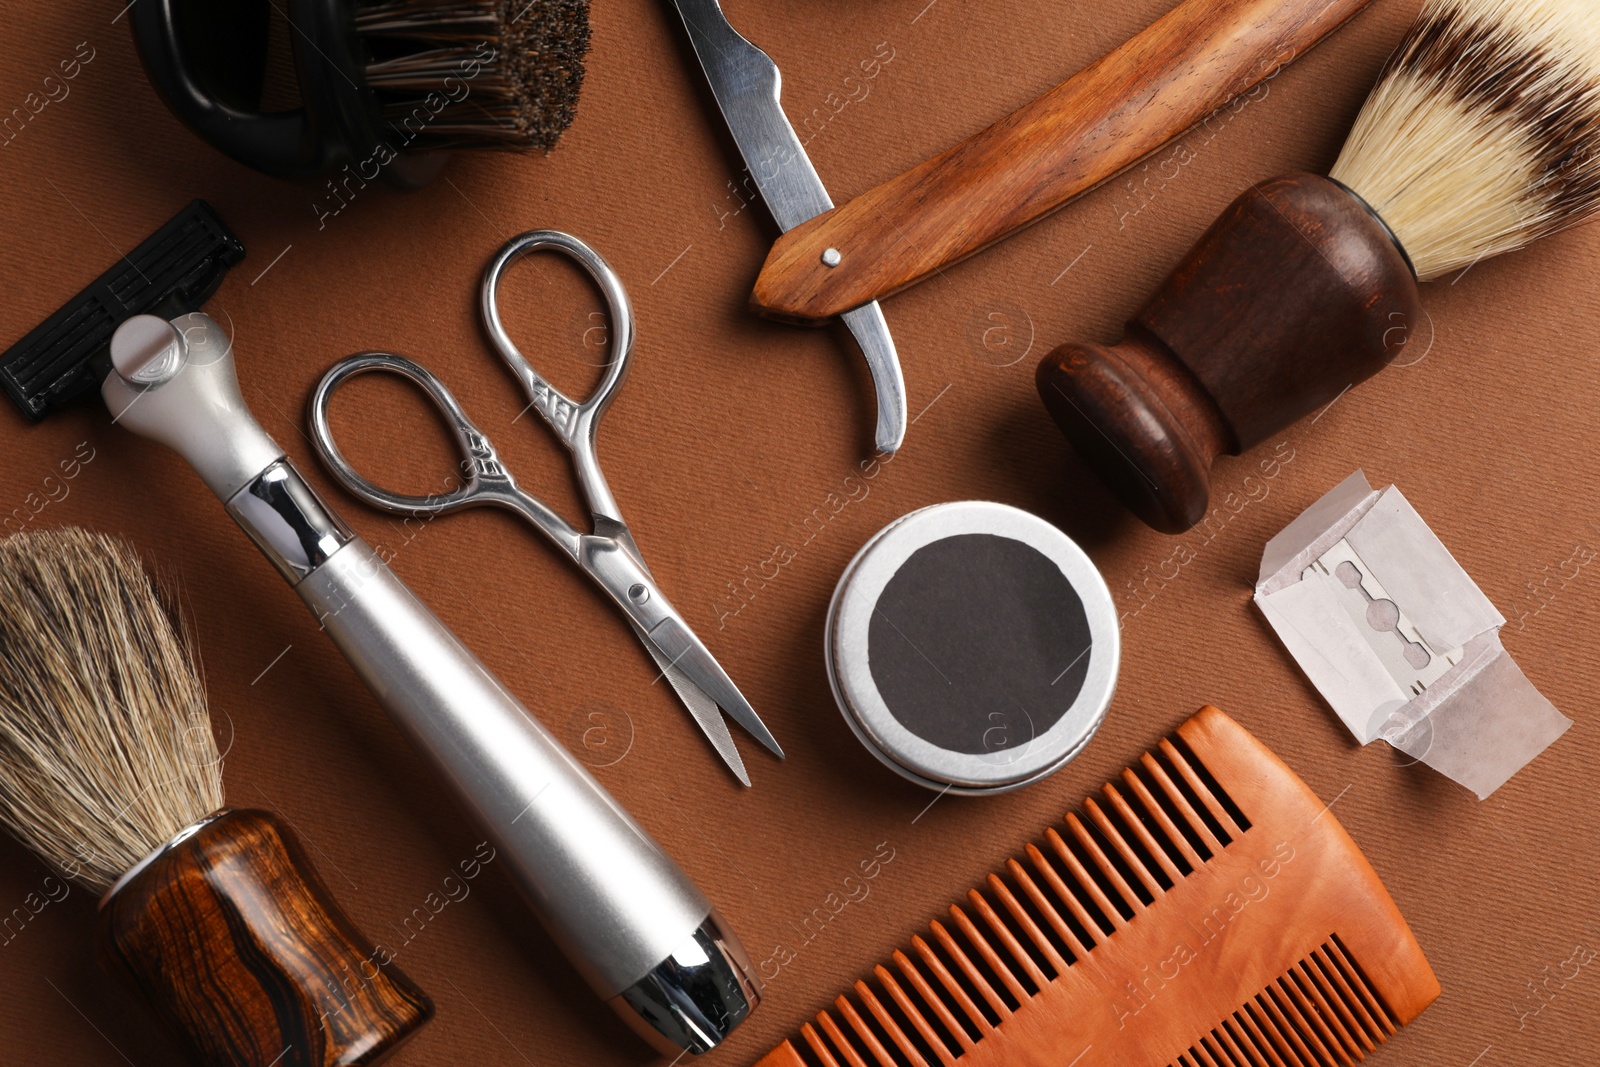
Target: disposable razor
838, 262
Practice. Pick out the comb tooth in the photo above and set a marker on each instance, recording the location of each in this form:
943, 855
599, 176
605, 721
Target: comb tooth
1305, 1028
929, 1036
979, 982
1068, 898
1356, 978
1267, 1046
1322, 1016
1134, 823
1164, 781
864, 1032
1003, 933
1045, 946
1261, 1054
1103, 864
1129, 856
1222, 1042
1228, 1047
1237, 1048
840, 1042
984, 948
818, 1047
1334, 1010
1163, 820
896, 1033
1370, 1027
1201, 790
1202, 1056
956, 993
1289, 1041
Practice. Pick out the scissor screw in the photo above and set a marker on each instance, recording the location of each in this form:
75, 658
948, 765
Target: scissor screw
831, 257
638, 593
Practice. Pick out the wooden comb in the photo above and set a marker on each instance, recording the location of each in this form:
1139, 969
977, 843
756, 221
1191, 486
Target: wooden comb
1206, 910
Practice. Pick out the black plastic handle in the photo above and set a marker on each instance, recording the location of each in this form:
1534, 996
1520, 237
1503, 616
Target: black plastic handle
297, 144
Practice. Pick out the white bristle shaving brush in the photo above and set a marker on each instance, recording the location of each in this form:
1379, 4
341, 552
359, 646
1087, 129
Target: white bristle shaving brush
108, 770
1482, 135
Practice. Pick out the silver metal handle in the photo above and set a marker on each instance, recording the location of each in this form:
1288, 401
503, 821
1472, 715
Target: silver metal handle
626, 915
623, 912
615, 901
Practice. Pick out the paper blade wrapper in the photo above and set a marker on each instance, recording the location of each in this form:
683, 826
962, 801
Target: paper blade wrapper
1399, 640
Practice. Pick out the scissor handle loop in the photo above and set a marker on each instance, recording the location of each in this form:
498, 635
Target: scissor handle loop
483, 473
572, 420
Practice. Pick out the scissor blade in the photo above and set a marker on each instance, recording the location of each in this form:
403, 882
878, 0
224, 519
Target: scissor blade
690, 655
701, 706
871, 334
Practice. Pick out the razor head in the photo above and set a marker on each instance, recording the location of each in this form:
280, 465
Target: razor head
172, 272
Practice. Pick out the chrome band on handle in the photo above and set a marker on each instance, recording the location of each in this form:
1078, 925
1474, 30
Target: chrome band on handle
288, 521
627, 916
696, 996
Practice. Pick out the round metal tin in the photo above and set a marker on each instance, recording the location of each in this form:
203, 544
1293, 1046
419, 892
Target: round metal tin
972, 647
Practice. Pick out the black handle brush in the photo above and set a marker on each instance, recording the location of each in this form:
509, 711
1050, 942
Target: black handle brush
385, 88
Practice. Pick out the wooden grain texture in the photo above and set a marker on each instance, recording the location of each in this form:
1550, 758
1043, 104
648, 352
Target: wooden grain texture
1205, 910
730, 432
1165, 79
237, 944
1296, 293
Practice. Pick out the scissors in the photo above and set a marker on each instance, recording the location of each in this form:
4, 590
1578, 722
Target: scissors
608, 553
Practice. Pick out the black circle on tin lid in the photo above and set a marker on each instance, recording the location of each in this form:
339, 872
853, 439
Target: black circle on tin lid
979, 643
972, 647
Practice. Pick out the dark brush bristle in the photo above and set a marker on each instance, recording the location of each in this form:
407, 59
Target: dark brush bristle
486, 74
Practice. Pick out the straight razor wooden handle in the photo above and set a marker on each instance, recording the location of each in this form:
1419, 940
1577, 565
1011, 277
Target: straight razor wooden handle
1130, 102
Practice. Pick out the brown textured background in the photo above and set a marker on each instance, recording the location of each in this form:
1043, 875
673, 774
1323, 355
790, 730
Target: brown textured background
729, 433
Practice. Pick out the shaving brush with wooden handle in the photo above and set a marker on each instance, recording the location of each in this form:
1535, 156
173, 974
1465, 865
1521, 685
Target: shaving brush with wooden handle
1482, 135
110, 773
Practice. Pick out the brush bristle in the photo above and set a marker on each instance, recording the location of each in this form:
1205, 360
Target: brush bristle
438, 91
105, 741
1484, 131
